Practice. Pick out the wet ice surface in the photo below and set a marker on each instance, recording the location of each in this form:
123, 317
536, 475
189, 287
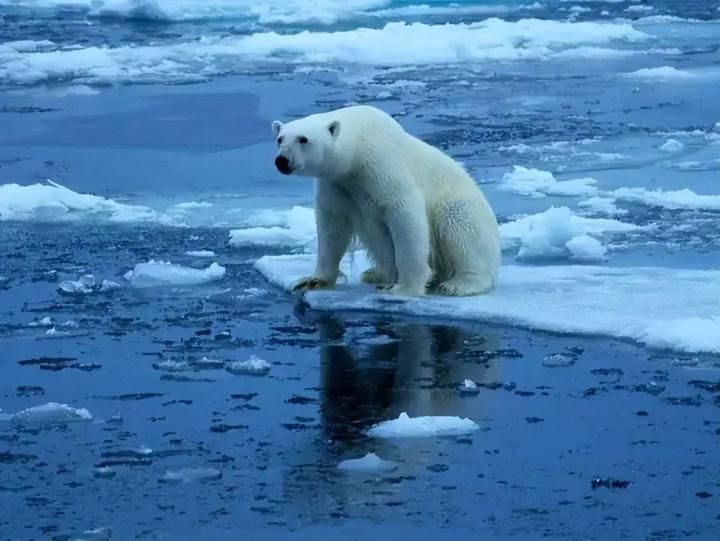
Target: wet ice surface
218, 404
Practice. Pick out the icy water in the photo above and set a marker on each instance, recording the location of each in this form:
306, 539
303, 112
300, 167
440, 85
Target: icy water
593, 127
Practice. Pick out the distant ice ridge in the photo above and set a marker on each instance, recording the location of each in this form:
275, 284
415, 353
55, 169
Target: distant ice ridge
284, 12
163, 273
637, 303
423, 427
53, 202
395, 44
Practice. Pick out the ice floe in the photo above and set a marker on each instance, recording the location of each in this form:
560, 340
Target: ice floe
163, 273
53, 202
370, 463
423, 427
536, 183
51, 413
636, 303
254, 366
294, 227
200, 253
86, 285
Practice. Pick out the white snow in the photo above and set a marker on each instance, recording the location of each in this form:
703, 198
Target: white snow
200, 253
685, 334
634, 303
671, 199
663, 73
423, 427
53, 202
50, 414
672, 145
602, 205
163, 273
549, 235
536, 183
370, 463
190, 475
294, 228
254, 366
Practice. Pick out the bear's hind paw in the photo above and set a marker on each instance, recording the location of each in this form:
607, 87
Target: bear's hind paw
312, 282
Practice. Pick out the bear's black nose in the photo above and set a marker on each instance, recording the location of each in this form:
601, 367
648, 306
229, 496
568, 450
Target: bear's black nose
283, 165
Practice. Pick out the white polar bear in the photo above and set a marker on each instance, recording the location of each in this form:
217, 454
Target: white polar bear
421, 217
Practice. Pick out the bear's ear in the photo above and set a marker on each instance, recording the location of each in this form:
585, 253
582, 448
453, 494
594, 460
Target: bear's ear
334, 128
276, 127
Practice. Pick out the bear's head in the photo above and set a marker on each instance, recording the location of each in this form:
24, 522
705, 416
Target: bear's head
306, 146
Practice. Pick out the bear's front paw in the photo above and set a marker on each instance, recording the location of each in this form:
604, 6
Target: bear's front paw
312, 282
373, 276
406, 291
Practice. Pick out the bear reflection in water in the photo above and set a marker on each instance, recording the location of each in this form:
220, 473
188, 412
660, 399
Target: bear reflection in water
371, 371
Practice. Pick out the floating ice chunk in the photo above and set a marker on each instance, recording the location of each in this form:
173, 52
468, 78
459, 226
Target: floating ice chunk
662, 73
672, 199
602, 205
536, 183
254, 366
586, 248
294, 228
469, 387
86, 285
172, 366
191, 205
200, 253
422, 427
95, 534
370, 463
50, 414
554, 234
384, 95
163, 273
52, 203
44, 322
190, 475
104, 472
208, 364
672, 145
568, 299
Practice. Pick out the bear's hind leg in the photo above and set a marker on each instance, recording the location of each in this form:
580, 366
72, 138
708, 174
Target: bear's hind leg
468, 248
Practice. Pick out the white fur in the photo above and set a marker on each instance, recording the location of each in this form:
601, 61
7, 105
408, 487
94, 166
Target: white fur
421, 217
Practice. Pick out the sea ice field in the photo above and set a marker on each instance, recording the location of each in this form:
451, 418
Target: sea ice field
160, 381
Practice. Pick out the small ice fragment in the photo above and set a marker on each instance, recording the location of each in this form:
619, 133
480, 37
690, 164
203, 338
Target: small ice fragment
254, 366
96, 534
44, 322
469, 387
672, 145
82, 286
108, 285
558, 360
200, 253
104, 472
70, 324
208, 364
163, 273
49, 414
172, 366
423, 427
142, 451
384, 95
189, 475
370, 463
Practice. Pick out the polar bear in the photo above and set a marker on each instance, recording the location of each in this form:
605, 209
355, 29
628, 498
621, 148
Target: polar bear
422, 219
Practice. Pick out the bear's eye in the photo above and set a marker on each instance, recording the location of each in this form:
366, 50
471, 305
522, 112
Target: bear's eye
280, 140
302, 139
